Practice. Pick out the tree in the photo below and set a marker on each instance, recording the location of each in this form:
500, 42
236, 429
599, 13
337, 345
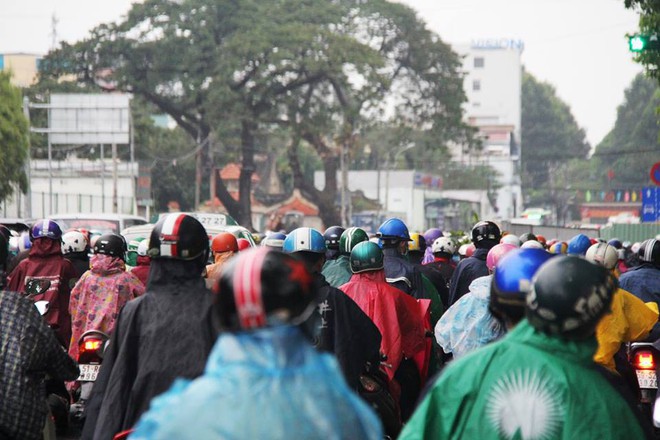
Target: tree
13, 139
649, 24
623, 158
384, 71
550, 139
231, 71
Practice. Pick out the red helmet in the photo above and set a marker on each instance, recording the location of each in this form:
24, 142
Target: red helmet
224, 242
243, 244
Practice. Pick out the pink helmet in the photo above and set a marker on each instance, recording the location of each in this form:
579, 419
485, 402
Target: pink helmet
496, 253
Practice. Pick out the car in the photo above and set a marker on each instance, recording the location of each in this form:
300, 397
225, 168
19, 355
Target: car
103, 223
212, 230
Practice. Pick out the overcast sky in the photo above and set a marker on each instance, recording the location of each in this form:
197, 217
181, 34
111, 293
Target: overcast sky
578, 46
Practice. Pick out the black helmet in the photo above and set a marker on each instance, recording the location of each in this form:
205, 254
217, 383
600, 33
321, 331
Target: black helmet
649, 251
111, 244
569, 296
332, 236
527, 236
180, 237
262, 287
486, 231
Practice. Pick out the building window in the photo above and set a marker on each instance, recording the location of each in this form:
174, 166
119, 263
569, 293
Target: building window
479, 62
476, 85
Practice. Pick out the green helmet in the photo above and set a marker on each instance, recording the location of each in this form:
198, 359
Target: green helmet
365, 257
132, 252
350, 238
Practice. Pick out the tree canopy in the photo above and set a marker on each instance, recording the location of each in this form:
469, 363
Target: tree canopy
550, 139
649, 24
13, 139
233, 72
624, 157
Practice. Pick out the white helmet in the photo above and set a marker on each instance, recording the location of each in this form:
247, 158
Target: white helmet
443, 245
73, 241
532, 244
510, 239
602, 254
143, 247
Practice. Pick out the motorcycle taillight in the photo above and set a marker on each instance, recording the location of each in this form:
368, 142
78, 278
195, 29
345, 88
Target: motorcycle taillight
90, 345
644, 360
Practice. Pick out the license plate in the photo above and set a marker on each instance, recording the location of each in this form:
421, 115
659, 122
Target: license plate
647, 379
88, 372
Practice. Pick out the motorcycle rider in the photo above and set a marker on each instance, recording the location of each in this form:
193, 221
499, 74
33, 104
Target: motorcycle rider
533, 383
274, 240
76, 249
485, 235
643, 280
343, 329
630, 318
29, 350
396, 314
399, 272
430, 236
331, 237
443, 249
102, 291
223, 247
159, 336
143, 261
338, 271
494, 304
263, 365
48, 276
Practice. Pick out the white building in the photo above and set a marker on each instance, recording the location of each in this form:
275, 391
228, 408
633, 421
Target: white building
493, 79
75, 185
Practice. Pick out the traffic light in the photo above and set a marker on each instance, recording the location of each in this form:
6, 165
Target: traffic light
640, 43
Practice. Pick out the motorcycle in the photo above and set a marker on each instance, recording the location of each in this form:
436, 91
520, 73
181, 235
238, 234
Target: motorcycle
644, 358
374, 389
91, 346
57, 396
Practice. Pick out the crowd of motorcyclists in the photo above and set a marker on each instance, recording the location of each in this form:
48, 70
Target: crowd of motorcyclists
335, 334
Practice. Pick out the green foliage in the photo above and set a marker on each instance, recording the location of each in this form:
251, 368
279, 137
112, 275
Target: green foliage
13, 139
552, 145
632, 146
649, 24
235, 70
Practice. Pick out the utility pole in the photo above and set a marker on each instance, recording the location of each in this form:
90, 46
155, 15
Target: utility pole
28, 196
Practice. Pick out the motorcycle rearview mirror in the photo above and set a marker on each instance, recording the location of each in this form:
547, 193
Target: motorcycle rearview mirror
42, 307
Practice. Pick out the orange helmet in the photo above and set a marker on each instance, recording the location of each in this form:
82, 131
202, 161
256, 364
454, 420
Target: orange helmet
224, 242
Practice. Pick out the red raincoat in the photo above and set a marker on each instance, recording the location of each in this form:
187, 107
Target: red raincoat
47, 264
396, 314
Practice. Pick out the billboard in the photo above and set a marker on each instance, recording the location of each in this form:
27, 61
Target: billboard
77, 119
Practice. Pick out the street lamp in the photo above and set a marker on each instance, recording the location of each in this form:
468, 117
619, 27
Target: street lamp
387, 172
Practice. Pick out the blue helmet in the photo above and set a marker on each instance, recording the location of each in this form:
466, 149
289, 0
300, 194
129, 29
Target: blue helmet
393, 228
512, 280
616, 243
46, 229
304, 239
274, 240
578, 245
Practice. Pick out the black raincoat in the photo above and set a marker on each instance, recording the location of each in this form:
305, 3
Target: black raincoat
164, 334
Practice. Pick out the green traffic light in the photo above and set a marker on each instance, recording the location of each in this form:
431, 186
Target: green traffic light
638, 43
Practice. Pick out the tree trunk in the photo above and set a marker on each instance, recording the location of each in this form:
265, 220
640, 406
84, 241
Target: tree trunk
325, 200
244, 217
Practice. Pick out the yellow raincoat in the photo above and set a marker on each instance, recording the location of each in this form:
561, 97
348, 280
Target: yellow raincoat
630, 320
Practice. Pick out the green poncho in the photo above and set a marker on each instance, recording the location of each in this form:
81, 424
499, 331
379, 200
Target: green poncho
526, 386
